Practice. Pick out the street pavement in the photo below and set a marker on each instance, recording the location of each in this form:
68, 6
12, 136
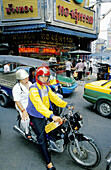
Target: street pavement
16, 153
87, 79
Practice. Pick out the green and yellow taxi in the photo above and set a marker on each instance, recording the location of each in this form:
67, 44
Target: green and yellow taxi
99, 93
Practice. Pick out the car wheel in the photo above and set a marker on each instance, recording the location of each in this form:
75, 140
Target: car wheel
3, 100
104, 108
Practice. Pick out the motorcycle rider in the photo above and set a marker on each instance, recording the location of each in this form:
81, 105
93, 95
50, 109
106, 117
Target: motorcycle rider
20, 96
39, 108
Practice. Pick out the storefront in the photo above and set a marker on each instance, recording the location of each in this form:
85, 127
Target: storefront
47, 28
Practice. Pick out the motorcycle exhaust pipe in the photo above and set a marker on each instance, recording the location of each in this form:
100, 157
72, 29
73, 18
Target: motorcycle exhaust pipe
54, 147
17, 129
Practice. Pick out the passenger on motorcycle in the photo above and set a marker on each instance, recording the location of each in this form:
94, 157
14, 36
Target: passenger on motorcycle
39, 108
20, 96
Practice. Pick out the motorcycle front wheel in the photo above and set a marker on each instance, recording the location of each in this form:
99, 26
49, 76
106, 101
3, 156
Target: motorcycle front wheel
89, 155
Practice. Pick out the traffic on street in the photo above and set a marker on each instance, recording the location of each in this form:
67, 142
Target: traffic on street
18, 153
55, 85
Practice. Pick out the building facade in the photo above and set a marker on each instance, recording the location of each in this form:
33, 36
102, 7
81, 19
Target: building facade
109, 36
42, 28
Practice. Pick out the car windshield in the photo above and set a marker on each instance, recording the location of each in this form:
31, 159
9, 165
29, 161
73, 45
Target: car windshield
53, 74
106, 82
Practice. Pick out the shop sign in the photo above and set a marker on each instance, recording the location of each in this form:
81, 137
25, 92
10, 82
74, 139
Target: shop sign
39, 49
20, 9
74, 14
44, 38
34, 49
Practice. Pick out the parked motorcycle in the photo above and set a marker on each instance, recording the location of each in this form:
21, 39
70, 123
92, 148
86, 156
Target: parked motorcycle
65, 134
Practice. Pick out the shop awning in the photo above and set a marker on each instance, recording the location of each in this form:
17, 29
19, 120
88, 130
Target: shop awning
71, 32
39, 27
82, 52
23, 28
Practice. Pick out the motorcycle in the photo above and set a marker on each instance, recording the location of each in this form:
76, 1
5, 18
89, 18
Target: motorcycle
65, 134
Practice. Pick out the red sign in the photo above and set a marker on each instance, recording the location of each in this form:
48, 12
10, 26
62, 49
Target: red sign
39, 50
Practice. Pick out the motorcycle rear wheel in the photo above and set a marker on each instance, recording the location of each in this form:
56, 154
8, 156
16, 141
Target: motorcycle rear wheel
90, 157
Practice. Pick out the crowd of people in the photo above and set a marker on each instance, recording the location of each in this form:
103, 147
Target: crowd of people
79, 69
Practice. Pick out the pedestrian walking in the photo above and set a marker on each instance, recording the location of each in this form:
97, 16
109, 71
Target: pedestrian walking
68, 68
79, 66
91, 67
85, 67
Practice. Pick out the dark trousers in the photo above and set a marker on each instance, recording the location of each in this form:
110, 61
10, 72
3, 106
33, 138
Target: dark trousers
80, 75
39, 125
90, 69
68, 73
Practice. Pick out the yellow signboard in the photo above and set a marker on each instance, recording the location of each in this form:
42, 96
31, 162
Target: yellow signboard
74, 14
20, 9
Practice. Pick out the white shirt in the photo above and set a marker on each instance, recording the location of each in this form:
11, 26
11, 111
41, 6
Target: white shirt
6, 68
79, 66
90, 64
68, 65
85, 64
20, 93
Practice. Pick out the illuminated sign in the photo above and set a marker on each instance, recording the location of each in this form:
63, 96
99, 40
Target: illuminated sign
28, 50
74, 14
37, 50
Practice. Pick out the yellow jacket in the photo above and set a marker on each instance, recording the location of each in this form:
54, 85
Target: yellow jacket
39, 101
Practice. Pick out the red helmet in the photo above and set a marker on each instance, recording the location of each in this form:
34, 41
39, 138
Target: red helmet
42, 71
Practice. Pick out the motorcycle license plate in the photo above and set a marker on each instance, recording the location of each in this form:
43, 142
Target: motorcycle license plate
51, 126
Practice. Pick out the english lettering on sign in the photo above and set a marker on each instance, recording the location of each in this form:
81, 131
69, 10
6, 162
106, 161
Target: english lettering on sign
21, 9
